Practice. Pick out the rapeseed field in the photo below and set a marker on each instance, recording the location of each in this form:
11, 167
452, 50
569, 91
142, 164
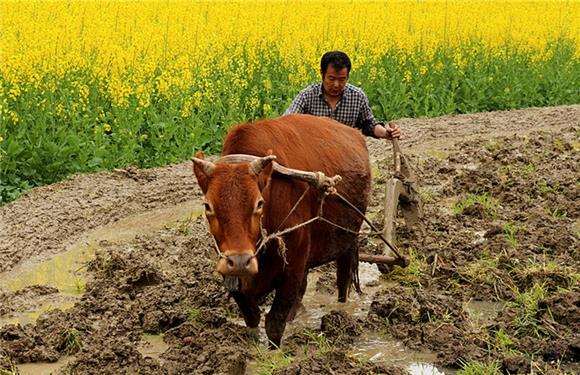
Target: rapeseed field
90, 85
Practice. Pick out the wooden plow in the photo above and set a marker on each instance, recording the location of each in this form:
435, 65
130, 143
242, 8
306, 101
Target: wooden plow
400, 194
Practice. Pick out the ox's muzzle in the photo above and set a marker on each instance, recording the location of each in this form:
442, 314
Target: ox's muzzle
238, 265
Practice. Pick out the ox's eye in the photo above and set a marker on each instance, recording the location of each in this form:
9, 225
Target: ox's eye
208, 209
260, 205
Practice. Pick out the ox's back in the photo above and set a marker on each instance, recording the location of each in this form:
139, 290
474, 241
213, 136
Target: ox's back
303, 142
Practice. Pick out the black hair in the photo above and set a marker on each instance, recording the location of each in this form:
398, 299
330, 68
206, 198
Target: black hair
338, 59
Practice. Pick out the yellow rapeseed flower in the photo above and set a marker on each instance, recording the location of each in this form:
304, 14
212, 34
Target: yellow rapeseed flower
197, 96
14, 92
14, 117
132, 51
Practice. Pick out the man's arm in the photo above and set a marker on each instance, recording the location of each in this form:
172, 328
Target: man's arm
372, 127
298, 105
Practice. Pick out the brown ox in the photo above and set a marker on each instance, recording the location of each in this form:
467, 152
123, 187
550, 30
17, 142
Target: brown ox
241, 196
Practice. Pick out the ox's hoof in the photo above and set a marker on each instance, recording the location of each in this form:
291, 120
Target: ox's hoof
274, 345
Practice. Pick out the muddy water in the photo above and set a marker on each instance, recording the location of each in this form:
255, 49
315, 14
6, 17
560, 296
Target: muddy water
153, 346
63, 271
483, 312
319, 303
43, 368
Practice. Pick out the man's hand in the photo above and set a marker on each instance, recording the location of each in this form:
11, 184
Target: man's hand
391, 131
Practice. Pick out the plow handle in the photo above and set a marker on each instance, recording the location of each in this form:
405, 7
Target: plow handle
396, 152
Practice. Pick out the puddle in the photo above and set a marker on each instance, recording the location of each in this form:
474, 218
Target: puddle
437, 153
66, 271
483, 312
377, 348
479, 237
153, 346
63, 271
43, 368
423, 369
318, 303
30, 316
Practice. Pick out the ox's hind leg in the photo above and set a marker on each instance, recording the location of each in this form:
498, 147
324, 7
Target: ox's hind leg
250, 310
346, 270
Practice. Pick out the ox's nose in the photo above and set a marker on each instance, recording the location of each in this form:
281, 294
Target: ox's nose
238, 265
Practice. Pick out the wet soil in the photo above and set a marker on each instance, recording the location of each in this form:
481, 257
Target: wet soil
494, 273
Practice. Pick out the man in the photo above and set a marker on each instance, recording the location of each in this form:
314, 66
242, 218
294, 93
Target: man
334, 97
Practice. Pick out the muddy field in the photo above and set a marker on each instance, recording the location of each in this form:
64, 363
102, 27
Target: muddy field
113, 273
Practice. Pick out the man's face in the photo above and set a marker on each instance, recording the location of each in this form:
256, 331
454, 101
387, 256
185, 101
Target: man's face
334, 81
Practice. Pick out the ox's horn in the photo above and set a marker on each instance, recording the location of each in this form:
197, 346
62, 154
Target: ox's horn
207, 167
257, 165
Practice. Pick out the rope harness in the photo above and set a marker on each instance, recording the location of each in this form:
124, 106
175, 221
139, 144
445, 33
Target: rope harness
326, 187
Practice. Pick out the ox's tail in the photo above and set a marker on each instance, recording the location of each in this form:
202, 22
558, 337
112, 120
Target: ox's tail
354, 271
355, 280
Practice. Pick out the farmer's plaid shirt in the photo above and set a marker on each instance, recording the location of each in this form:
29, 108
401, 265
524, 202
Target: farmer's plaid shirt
352, 109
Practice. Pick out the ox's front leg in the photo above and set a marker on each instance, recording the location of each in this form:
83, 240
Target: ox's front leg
294, 309
250, 310
286, 297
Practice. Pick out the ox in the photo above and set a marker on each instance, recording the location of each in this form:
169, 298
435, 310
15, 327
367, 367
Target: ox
240, 198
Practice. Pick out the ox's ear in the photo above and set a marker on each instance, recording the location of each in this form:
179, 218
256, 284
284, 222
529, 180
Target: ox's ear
265, 176
202, 170
265, 173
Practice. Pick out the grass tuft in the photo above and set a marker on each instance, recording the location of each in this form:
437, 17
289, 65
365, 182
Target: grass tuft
71, 341
526, 305
510, 230
478, 368
412, 274
268, 361
319, 340
488, 204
